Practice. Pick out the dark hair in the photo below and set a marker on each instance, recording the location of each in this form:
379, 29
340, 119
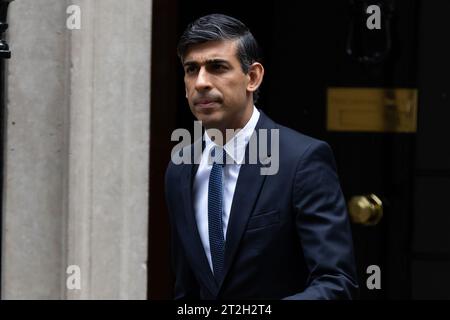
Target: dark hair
216, 27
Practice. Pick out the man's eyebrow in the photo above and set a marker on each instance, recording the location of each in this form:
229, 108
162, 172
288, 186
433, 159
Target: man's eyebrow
209, 61
190, 63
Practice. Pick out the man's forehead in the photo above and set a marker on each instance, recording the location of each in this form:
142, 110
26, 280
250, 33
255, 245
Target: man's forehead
211, 50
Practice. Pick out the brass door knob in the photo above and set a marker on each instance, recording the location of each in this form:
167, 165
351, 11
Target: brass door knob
366, 210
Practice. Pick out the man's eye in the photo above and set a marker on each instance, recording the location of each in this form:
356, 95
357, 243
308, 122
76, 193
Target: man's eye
190, 70
219, 67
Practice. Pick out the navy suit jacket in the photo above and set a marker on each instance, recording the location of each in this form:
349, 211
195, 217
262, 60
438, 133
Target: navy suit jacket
288, 234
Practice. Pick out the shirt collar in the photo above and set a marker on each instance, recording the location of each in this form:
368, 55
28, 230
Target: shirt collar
235, 147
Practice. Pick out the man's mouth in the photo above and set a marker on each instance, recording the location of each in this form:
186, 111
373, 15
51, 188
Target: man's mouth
206, 103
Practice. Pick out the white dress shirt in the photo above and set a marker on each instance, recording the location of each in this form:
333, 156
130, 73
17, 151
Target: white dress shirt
235, 149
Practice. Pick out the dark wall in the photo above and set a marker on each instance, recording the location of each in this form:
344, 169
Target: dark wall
431, 229
162, 123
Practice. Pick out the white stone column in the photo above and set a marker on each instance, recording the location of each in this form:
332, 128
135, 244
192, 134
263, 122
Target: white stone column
77, 150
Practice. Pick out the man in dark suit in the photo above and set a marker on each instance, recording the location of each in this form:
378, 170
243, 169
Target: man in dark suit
236, 232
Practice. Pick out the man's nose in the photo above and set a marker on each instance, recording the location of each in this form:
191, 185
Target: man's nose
203, 81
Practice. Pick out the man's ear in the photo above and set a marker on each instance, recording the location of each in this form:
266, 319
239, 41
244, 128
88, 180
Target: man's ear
255, 75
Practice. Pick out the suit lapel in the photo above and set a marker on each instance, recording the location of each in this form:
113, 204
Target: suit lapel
241, 208
249, 179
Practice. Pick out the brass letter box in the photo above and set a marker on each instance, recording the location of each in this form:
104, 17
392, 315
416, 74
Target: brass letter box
372, 109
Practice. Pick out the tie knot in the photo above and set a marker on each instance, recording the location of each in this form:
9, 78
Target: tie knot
218, 155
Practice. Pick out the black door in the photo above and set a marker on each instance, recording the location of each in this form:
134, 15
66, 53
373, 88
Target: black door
309, 56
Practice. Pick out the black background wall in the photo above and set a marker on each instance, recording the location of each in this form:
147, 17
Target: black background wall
431, 229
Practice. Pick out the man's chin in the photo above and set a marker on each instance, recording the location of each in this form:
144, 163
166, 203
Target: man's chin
210, 120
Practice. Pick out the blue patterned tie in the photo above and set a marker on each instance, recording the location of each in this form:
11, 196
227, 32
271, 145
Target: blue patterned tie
215, 210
